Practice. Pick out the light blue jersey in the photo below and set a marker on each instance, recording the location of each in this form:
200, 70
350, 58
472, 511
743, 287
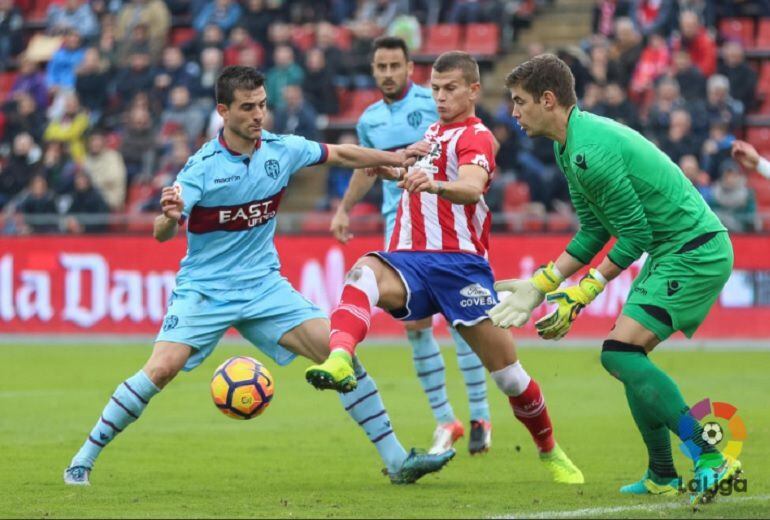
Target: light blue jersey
230, 202
389, 126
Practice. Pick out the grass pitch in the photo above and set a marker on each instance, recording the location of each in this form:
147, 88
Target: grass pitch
305, 458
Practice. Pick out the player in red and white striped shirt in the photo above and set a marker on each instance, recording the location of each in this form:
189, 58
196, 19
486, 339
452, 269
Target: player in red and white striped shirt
437, 259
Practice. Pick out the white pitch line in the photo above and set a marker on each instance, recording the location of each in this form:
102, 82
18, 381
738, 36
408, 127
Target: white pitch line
593, 512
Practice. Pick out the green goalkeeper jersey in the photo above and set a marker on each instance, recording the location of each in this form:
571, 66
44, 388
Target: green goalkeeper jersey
622, 185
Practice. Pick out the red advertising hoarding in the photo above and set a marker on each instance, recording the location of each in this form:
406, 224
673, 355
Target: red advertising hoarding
120, 285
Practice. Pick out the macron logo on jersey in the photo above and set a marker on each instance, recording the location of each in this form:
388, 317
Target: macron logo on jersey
240, 217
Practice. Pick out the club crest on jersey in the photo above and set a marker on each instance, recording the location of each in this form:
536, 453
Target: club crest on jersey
481, 160
272, 168
476, 294
414, 119
426, 162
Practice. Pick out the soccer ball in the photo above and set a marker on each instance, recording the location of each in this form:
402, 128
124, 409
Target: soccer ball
242, 388
712, 433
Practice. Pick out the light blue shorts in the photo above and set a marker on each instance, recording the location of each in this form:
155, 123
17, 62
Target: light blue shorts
390, 223
263, 316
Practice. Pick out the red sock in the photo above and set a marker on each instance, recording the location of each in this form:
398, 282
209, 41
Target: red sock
530, 409
350, 320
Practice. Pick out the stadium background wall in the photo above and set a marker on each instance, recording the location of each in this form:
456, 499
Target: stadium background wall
120, 285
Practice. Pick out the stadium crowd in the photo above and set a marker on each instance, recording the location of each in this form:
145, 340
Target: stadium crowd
103, 101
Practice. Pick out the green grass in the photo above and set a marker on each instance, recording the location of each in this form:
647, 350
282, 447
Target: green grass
305, 458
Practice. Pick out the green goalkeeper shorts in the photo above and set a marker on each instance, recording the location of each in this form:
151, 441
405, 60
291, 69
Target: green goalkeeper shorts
676, 291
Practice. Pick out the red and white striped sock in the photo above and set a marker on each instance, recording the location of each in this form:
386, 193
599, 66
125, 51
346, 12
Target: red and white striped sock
351, 319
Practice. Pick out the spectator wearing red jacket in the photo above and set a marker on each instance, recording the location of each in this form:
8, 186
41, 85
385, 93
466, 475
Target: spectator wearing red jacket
696, 40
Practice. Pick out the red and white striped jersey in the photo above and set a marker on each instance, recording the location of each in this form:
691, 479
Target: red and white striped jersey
427, 222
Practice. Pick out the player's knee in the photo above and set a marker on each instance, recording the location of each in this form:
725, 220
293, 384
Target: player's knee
362, 277
613, 353
161, 370
511, 380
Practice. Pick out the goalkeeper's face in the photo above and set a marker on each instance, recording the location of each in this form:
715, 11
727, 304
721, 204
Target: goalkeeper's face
529, 113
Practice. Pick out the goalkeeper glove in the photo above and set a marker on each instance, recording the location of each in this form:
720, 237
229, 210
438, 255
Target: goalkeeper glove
516, 308
570, 302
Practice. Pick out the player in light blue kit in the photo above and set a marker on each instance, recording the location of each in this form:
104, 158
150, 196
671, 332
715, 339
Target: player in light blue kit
399, 119
229, 192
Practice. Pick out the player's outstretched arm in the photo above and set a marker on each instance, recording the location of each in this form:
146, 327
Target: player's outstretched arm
749, 158
467, 189
167, 224
354, 156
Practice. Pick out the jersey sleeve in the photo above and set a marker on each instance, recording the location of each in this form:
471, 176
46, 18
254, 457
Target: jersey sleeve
303, 153
476, 146
591, 236
606, 182
189, 182
363, 139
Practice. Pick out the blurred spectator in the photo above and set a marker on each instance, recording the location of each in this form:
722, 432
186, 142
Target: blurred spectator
138, 42
618, 107
38, 201
138, 143
211, 66
667, 99
238, 42
624, 53
135, 77
573, 56
592, 99
23, 163
604, 14
30, 80
69, 128
692, 82
11, 26
506, 156
318, 85
72, 15
743, 79
407, 27
284, 72
734, 202
695, 39
212, 36
333, 56
224, 13
59, 169
654, 16
699, 178
181, 114
716, 149
60, 74
296, 116
152, 13
256, 19
107, 43
106, 169
173, 72
378, 12
92, 83
653, 63
24, 117
599, 63
86, 201
720, 107
680, 140
474, 11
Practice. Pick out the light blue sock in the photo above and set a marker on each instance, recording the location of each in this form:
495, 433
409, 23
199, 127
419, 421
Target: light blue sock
125, 406
431, 372
475, 377
365, 406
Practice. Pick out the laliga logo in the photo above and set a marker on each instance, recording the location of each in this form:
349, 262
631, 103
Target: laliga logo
713, 432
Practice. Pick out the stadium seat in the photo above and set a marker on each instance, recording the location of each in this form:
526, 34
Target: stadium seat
303, 37
343, 37
182, 35
763, 35
741, 29
354, 102
421, 74
761, 187
441, 38
516, 197
6, 82
482, 38
760, 138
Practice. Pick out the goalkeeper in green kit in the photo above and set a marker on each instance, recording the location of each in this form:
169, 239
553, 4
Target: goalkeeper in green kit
622, 186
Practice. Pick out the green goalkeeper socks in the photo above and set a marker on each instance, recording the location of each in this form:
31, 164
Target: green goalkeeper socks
655, 401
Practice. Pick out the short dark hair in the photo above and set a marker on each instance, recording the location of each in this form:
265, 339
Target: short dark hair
237, 77
390, 42
459, 60
545, 72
